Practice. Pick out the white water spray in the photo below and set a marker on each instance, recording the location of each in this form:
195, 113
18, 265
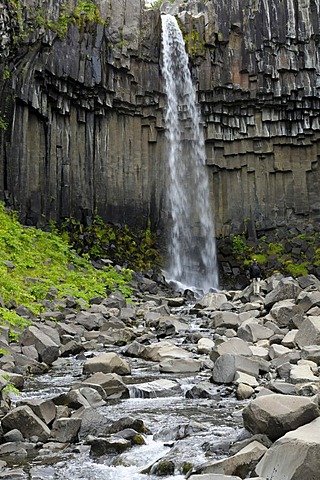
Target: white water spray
192, 253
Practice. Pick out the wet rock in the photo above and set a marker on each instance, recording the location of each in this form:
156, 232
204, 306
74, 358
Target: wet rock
107, 363
108, 446
157, 388
65, 430
203, 390
162, 468
111, 384
176, 365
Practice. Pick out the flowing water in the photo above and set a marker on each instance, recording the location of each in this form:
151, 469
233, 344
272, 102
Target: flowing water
181, 428
191, 252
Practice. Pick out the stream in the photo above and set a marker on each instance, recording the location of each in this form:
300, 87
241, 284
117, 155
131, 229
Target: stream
190, 430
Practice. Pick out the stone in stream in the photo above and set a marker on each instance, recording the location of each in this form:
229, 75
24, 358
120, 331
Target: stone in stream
242, 463
111, 384
178, 365
65, 430
107, 363
26, 422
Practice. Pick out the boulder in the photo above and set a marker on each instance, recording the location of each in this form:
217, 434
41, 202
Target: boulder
89, 320
284, 311
111, 383
205, 345
44, 408
157, 388
228, 364
287, 288
24, 419
231, 345
239, 464
276, 414
225, 319
307, 300
309, 332
47, 349
107, 363
251, 331
159, 351
178, 365
212, 300
65, 430
294, 456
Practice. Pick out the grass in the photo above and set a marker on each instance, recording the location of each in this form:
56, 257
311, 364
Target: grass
33, 261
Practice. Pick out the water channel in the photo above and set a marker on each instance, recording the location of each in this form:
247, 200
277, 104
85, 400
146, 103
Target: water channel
189, 430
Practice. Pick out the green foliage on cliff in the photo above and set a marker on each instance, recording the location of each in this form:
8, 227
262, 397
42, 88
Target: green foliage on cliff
132, 248
33, 262
286, 256
84, 12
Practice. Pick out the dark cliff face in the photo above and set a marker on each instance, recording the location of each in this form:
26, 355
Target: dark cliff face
82, 110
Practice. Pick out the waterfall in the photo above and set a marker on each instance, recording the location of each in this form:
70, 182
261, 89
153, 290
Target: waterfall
191, 259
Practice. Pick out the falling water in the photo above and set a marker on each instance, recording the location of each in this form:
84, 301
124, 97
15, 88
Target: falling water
192, 254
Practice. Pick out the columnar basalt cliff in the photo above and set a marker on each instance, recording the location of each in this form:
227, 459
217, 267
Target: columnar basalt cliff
81, 120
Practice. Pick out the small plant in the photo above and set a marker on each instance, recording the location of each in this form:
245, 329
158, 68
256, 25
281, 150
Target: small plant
275, 248
296, 270
239, 245
3, 123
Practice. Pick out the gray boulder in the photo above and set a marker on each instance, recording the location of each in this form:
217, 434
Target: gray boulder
23, 419
107, 363
276, 414
295, 456
285, 289
309, 332
228, 364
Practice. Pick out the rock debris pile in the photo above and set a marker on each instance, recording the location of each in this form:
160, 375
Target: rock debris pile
264, 349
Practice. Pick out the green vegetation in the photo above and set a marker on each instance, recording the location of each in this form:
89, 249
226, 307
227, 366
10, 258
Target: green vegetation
132, 248
194, 45
84, 12
279, 256
33, 261
3, 123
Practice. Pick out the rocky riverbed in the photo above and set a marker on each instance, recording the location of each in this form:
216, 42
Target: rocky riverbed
221, 387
